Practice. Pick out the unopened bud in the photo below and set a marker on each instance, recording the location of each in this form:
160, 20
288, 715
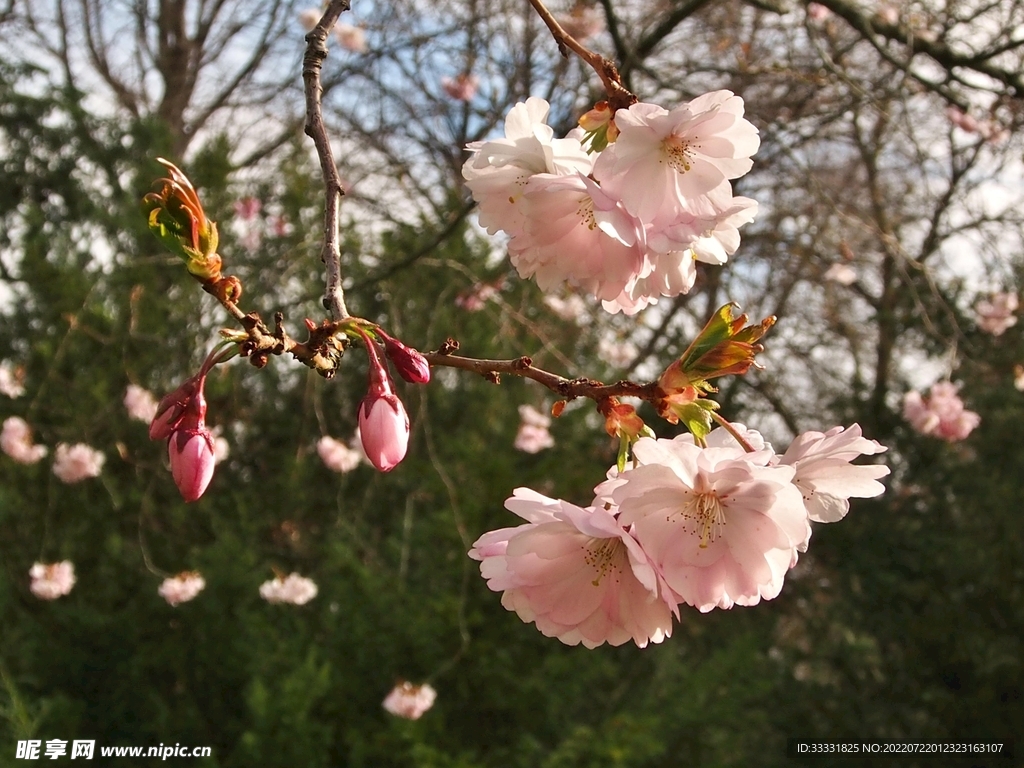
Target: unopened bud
383, 429
192, 456
411, 364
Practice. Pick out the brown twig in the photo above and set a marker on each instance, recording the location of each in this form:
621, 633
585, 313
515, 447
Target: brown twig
619, 97
312, 64
570, 389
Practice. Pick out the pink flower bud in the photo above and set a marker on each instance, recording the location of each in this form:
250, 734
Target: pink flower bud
171, 409
191, 452
384, 429
412, 366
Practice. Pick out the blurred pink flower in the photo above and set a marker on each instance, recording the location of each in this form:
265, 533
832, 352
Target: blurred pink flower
350, 38
462, 87
941, 414
582, 22
995, 315
248, 208
476, 297
181, 588
888, 14
533, 435
309, 18
817, 12
576, 573
53, 580
12, 380
293, 589
140, 403
74, 463
16, 441
824, 475
721, 525
337, 456
841, 273
410, 701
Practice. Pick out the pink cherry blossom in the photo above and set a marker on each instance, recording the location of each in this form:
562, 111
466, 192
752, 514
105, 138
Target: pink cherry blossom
962, 120
293, 589
476, 297
248, 208
533, 435
337, 456
942, 414
817, 12
663, 158
410, 701
16, 441
571, 308
888, 14
462, 87
12, 380
576, 573
499, 169
74, 463
350, 38
140, 403
841, 273
721, 525
50, 581
824, 475
573, 232
995, 315
582, 22
181, 588
309, 18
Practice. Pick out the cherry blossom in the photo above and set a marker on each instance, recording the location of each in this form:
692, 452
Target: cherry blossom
74, 463
942, 414
576, 573
350, 38
475, 298
664, 158
181, 588
462, 87
817, 12
16, 441
309, 18
841, 273
824, 475
337, 456
410, 701
499, 169
571, 308
721, 525
293, 589
248, 208
533, 435
53, 580
140, 403
582, 22
995, 315
12, 380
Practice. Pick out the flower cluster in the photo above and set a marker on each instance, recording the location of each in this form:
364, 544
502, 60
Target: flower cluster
941, 414
626, 220
709, 526
337, 456
181, 588
533, 435
74, 463
16, 441
50, 581
140, 403
410, 701
293, 589
997, 314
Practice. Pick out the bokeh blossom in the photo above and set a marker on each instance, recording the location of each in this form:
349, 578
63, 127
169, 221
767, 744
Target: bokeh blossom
16, 441
12, 380
337, 456
533, 435
181, 588
998, 313
410, 701
74, 463
293, 589
941, 414
140, 403
50, 581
